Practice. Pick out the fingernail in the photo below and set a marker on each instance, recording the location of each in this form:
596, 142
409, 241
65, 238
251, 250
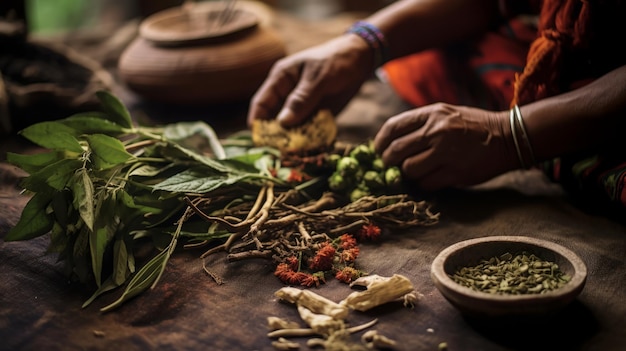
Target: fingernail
285, 116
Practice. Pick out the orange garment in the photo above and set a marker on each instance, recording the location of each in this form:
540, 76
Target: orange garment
478, 74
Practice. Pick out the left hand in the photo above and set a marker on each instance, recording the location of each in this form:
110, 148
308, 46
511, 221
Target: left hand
440, 145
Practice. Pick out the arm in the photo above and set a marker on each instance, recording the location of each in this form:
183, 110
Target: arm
589, 117
328, 75
440, 145
414, 25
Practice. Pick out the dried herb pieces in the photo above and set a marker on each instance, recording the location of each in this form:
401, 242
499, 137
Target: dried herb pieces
519, 274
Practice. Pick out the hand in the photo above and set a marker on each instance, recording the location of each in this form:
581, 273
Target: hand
440, 145
326, 76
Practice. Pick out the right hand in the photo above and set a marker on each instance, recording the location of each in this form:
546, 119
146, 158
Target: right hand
325, 76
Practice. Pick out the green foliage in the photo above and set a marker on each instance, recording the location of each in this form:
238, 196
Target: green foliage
45, 16
104, 185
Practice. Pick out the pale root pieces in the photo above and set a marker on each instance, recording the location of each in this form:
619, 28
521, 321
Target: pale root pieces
314, 302
326, 318
380, 290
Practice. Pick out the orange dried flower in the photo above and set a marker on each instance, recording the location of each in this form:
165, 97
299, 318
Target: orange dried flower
293, 262
289, 276
297, 176
347, 274
284, 272
350, 255
347, 241
323, 259
309, 280
369, 232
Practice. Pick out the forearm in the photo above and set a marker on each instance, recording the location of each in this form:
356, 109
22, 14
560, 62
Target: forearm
413, 25
590, 117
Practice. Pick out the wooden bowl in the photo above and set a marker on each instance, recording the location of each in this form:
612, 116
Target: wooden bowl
483, 304
175, 62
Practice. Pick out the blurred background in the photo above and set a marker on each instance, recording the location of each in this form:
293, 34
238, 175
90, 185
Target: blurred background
46, 17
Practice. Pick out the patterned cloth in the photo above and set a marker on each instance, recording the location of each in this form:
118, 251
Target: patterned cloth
482, 73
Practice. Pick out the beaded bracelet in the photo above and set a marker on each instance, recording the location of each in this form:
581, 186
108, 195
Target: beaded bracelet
374, 38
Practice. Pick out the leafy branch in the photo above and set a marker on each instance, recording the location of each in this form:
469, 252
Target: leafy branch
102, 185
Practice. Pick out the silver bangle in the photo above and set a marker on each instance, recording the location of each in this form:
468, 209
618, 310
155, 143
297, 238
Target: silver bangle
518, 114
514, 133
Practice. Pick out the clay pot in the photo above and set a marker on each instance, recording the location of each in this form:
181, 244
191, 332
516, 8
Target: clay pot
176, 61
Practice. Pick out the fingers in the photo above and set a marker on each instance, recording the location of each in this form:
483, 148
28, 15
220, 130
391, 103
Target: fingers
425, 172
270, 97
300, 104
400, 137
290, 93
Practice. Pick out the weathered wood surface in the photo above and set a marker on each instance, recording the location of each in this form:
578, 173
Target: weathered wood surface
40, 310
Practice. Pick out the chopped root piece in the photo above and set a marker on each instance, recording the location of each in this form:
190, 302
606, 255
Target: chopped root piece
320, 323
275, 323
314, 302
296, 332
372, 339
380, 290
284, 344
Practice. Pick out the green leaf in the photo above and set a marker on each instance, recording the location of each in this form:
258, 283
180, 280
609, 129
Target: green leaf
34, 162
115, 109
149, 274
92, 123
55, 175
61, 206
53, 135
80, 255
202, 159
98, 241
59, 241
120, 262
108, 285
105, 227
129, 210
34, 221
197, 181
246, 163
146, 276
107, 151
83, 193
146, 171
185, 130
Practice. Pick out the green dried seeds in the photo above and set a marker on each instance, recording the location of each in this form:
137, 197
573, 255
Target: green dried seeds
508, 274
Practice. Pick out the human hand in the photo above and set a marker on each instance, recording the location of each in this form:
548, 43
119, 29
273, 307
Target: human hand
441, 145
326, 76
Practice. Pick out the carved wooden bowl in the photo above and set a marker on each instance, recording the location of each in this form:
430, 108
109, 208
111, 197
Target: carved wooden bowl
178, 60
484, 304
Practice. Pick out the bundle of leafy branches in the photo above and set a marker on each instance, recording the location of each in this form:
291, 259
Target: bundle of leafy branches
104, 188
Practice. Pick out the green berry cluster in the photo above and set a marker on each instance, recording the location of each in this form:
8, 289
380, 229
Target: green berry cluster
361, 173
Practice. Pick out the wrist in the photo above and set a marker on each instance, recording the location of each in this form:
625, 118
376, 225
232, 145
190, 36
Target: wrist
375, 40
521, 140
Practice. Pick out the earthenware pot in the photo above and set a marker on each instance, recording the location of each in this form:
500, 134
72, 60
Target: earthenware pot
197, 58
